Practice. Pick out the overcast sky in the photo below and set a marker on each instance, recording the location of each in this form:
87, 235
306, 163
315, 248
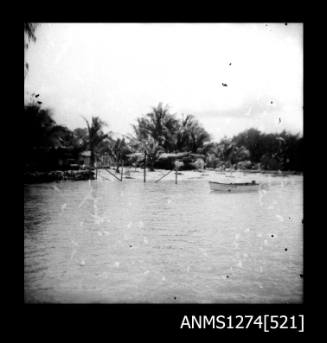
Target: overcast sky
119, 71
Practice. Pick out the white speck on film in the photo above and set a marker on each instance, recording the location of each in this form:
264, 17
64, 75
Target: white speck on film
279, 217
73, 254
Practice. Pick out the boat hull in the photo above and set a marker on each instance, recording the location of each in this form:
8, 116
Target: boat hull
233, 187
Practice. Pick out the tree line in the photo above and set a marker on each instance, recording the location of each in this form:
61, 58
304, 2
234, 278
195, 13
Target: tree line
49, 146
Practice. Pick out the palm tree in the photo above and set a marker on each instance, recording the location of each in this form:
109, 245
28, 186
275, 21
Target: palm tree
118, 150
160, 125
153, 151
182, 139
191, 136
95, 136
198, 137
150, 147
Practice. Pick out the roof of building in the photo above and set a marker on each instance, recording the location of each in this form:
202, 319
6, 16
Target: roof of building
180, 155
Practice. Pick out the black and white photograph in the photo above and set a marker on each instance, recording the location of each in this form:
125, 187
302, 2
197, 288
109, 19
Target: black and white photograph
163, 163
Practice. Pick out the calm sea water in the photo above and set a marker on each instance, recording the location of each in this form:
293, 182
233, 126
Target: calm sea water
130, 242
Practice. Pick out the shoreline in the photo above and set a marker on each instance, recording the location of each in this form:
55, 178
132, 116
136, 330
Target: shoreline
84, 175
58, 175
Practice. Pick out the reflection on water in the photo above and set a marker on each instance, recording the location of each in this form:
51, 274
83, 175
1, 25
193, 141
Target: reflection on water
107, 241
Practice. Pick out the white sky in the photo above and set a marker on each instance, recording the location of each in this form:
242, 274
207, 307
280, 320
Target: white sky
119, 71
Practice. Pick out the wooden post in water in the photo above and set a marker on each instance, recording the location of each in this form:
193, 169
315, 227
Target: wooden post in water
144, 166
96, 170
176, 175
121, 170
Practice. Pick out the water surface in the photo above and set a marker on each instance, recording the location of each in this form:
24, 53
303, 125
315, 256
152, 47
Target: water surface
130, 242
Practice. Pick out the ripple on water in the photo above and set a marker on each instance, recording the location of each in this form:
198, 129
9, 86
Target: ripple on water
173, 241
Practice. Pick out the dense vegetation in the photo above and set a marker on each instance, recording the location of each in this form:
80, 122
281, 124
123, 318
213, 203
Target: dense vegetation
49, 146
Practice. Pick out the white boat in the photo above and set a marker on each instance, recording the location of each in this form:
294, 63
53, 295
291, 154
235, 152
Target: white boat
234, 187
